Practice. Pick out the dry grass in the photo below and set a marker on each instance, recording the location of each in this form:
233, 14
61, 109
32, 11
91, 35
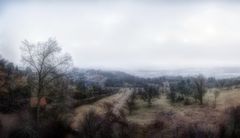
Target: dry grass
179, 118
118, 100
206, 114
227, 98
175, 117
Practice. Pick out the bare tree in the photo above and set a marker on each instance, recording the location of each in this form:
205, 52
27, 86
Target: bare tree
148, 93
131, 101
216, 95
47, 64
200, 85
221, 83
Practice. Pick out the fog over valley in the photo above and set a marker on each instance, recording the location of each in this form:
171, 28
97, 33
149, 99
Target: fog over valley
128, 35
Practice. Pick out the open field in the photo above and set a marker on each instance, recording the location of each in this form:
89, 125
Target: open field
177, 115
227, 98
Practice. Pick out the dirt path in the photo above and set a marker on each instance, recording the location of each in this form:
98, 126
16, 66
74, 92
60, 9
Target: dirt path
122, 101
118, 100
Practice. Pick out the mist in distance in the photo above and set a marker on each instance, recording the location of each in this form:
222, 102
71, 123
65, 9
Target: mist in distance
133, 36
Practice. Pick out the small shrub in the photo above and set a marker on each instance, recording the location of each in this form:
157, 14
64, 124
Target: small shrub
188, 101
154, 130
131, 103
54, 129
109, 125
216, 95
232, 126
25, 132
149, 93
198, 131
13, 102
91, 125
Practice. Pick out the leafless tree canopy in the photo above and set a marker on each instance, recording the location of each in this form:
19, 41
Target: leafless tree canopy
200, 84
47, 64
45, 60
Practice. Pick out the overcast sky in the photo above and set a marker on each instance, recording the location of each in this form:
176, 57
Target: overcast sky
128, 35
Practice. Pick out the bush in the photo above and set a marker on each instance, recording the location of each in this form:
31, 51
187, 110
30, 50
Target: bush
131, 102
14, 100
188, 101
108, 125
197, 130
25, 132
149, 93
54, 129
154, 130
232, 125
91, 125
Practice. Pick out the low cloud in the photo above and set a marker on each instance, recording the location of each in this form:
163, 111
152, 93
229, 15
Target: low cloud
128, 35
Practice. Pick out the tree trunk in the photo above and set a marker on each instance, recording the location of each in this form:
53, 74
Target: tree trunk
38, 106
38, 112
201, 99
149, 102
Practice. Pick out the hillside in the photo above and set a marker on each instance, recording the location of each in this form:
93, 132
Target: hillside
106, 78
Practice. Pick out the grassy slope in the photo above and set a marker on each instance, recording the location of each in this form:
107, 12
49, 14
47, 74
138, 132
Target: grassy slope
206, 114
179, 115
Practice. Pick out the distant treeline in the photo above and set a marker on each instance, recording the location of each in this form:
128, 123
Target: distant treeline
121, 79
